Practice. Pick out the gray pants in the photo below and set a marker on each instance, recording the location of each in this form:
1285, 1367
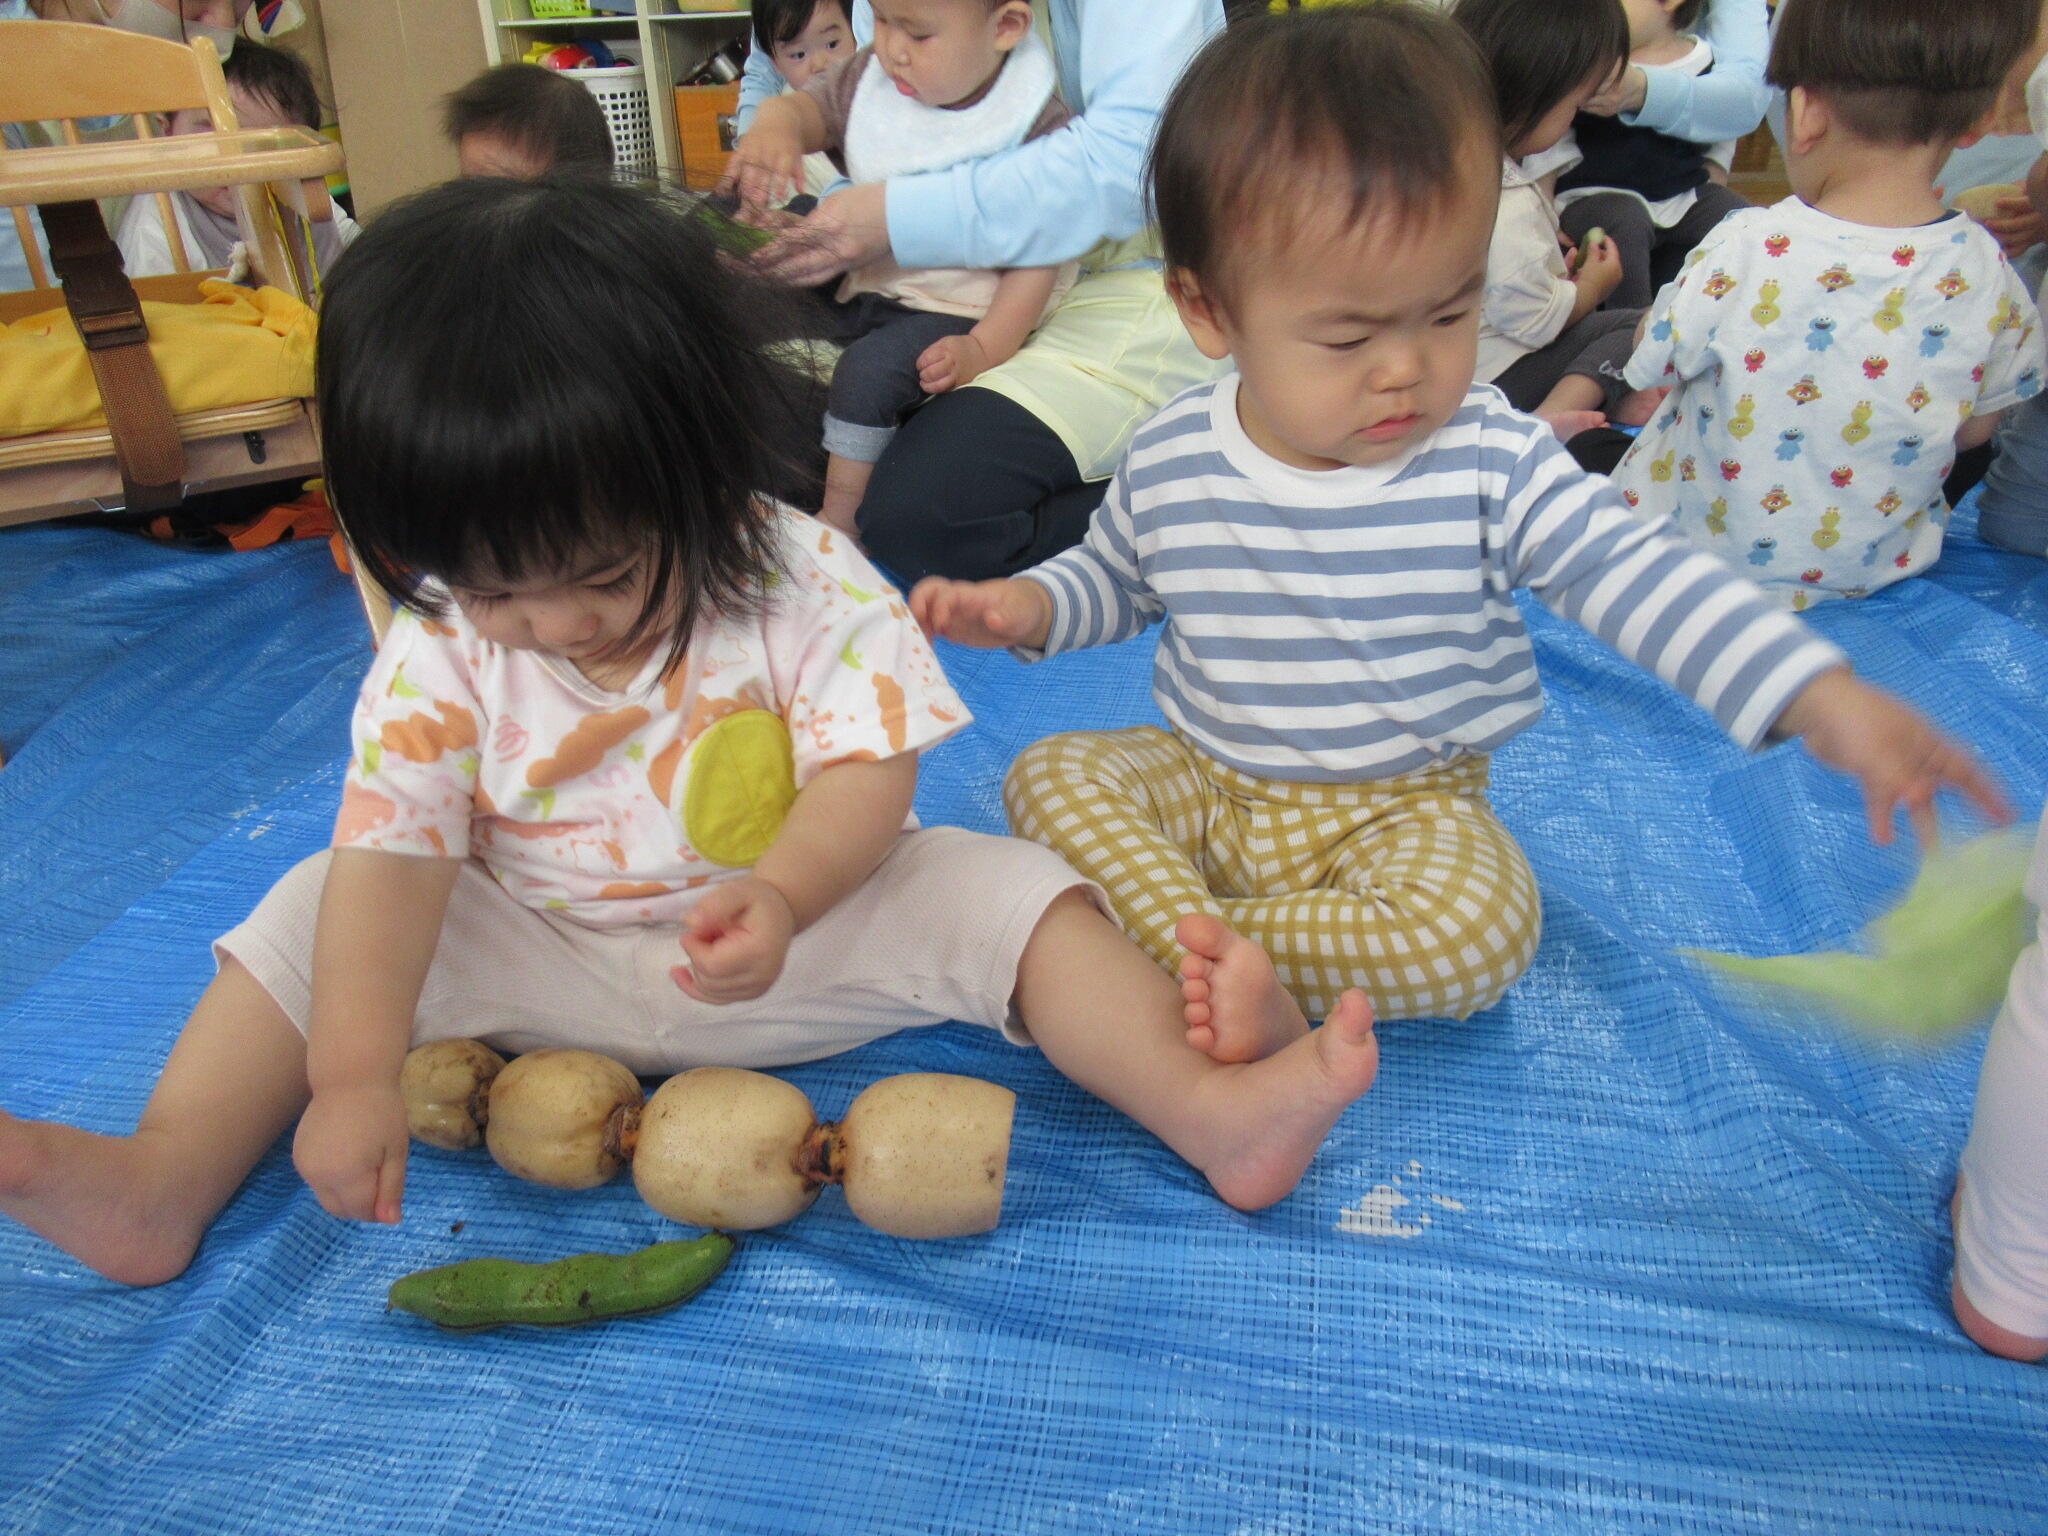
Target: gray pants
875, 383
1598, 347
2012, 511
1650, 256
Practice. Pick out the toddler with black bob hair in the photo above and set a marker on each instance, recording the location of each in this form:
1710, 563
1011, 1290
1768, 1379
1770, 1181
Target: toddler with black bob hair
632, 770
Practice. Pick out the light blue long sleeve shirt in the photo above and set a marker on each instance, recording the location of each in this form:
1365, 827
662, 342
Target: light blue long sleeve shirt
1059, 196
1726, 102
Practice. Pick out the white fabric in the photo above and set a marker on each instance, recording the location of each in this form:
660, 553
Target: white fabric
1821, 370
1529, 291
2002, 1218
621, 807
889, 134
935, 933
146, 249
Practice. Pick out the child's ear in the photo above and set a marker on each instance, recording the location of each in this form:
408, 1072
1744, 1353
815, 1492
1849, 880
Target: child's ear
1807, 120
1197, 313
1013, 24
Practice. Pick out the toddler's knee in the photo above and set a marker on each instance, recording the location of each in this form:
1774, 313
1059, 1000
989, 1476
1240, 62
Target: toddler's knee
1040, 777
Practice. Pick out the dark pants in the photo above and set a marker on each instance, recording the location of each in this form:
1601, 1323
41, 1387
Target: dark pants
875, 383
1598, 347
974, 486
1650, 257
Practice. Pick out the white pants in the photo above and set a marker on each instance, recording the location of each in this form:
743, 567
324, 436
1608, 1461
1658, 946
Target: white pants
2002, 1219
935, 933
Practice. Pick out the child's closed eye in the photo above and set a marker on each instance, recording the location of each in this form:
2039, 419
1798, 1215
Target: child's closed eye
1453, 318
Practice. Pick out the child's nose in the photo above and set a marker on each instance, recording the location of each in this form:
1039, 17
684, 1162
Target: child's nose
1400, 367
564, 625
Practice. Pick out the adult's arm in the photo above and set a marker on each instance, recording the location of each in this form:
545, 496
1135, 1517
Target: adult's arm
1050, 200
1729, 100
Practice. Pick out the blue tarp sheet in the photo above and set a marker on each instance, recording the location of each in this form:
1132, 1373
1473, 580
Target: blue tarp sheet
1612, 1256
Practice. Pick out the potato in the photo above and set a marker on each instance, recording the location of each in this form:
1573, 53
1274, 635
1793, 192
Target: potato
563, 1117
723, 1147
447, 1089
924, 1154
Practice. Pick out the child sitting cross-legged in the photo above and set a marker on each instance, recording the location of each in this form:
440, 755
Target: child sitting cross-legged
1831, 353
947, 81
1333, 534
634, 765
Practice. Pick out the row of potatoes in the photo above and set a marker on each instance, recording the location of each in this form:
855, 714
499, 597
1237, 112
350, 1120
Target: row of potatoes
922, 1154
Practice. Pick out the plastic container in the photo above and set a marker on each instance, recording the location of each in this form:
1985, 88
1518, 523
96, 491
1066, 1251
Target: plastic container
622, 92
558, 10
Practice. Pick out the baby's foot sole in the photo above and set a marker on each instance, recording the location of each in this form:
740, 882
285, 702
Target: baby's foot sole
1231, 999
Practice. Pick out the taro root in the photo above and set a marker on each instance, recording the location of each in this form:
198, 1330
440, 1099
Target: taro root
722, 1147
446, 1085
563, 1117
924, 1154
921, 1155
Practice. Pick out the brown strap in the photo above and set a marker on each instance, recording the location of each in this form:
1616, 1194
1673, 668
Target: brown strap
109, 318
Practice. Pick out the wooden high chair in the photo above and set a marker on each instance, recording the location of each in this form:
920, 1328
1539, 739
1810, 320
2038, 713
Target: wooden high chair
145, 459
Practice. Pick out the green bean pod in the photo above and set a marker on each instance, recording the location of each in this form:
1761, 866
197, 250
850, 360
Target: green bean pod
586, 1288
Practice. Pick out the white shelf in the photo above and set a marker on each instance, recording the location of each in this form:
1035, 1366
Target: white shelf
586, 22
672, 43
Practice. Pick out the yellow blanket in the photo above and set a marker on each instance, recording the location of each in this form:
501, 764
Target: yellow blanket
235, 347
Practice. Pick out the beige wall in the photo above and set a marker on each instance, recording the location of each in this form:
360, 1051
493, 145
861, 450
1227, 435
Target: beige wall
392, 61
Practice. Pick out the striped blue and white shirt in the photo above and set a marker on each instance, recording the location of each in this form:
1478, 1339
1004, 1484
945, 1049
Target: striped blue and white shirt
1355, 624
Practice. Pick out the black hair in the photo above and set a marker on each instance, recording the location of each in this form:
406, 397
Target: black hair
516, 376
1542, 51
1688, 13
273, 75
1388, 102
1903, 72
779, 21
542, 111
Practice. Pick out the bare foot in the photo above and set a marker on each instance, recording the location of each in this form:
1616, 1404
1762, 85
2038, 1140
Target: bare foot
1569, 424
1264, 1120
1637, 408
1234, 1005
96, 1198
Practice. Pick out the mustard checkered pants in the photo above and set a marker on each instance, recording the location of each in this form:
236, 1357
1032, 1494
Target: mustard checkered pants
1409, 888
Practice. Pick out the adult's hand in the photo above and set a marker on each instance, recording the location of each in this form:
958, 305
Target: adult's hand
1626, 92
848, 229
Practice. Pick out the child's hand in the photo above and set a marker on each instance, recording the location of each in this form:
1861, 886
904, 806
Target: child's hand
736, 937
351, 1148
952, 362
766, 170
990, 614
1601, 271
2016, 225
1889, 746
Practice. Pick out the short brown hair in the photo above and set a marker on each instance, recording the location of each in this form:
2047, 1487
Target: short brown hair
1387, 101
1902, 71
555, 120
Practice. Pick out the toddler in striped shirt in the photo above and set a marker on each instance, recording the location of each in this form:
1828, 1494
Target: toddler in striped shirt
1333, 534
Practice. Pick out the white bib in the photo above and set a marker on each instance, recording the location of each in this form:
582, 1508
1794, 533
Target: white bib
891, 134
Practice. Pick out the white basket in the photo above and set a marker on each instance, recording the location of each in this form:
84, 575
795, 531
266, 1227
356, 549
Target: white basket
622, 92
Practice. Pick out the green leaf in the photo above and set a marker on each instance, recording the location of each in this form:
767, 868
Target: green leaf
1935, 963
